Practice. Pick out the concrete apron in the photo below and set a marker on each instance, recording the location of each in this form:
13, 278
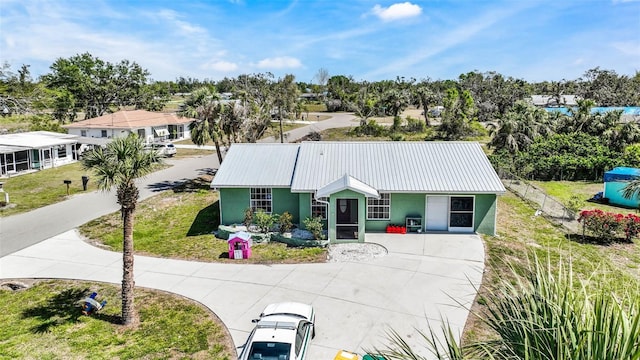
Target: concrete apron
424, 278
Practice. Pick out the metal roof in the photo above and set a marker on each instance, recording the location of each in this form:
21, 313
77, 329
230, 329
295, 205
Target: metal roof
435, 167
36, 139
257, 165
347, 182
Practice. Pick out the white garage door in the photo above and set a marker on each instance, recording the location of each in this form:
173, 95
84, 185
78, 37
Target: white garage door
437, 213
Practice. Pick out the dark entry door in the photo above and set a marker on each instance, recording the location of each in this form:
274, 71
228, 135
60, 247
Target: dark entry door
347, 219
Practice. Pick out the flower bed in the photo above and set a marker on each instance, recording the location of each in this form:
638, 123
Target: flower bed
298, 238
607, 226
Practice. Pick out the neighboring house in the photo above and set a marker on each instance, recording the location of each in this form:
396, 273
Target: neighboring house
615, 180
553, 101
150, 126
358, 187
36, 150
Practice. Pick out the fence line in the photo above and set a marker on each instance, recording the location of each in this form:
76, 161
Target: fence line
545, 204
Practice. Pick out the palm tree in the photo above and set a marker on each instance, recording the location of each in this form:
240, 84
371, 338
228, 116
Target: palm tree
517, 129
118, 164
204, 106
631, 190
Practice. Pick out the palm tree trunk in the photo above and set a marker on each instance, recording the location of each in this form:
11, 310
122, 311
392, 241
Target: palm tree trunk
128, 283
217, 144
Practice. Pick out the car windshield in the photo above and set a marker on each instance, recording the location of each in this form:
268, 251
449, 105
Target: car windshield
270, 350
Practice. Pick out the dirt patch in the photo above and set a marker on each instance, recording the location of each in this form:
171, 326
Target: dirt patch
14, 285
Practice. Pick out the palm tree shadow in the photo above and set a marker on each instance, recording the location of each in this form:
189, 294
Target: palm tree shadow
206, 222
63, 308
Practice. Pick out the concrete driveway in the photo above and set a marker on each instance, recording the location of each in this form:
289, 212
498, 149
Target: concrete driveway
424, 278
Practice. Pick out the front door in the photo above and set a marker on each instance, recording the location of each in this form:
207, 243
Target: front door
437, 213
346, 219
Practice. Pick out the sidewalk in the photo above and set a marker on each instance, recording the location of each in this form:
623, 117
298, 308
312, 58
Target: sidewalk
420, 282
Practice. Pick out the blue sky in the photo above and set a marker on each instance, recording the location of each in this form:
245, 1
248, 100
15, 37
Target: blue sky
533, 40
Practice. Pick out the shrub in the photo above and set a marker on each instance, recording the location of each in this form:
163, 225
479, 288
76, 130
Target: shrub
397, 123
264, 221
286, 222
602, 225
415, 125
574, 204
248, 217
372, 128
314, 225
396, 137
608, 226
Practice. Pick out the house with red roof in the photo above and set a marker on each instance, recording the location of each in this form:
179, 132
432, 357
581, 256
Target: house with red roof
150, 126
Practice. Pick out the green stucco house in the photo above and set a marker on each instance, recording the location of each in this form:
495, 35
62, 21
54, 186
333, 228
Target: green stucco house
359, 187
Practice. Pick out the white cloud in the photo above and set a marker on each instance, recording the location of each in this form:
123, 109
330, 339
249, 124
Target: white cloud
183, 26
397, 11
221, 66
283, 62
627, 47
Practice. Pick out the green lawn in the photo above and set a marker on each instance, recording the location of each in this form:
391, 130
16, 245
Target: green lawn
346, 134
274, 129
180, 223
44, 187
584, 190
45, 321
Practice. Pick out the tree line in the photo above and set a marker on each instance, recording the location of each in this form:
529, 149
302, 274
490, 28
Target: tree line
85, 86
85, 83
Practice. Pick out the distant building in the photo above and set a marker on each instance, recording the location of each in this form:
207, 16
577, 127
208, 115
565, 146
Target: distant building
553, 101
150, 126
36, 150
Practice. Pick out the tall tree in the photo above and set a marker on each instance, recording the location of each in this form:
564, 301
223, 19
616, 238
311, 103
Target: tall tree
97, 85
118, 165
459, 113
204, 105
285, 98
426, 97
322, 76
257, 95
365, 103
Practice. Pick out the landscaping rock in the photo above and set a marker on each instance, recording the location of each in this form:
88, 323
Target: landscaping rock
355, 252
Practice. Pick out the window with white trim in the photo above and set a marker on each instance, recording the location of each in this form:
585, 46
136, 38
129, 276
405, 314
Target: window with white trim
261, 199
461, 212
379, 209
318, 207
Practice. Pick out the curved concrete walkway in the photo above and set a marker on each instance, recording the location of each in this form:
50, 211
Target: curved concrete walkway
424, 278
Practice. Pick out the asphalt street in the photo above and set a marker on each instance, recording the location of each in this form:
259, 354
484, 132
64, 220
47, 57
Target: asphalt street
23, 230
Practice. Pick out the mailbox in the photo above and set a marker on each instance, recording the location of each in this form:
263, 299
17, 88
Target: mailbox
239, 245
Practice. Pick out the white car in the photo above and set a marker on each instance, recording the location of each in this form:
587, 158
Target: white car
282, 332
163, 149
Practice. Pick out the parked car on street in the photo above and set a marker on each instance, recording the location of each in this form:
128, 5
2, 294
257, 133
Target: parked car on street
164, 149
283, 332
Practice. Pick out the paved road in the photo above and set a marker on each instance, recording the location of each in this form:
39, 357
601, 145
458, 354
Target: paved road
337, 120
423, 279
23, 230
